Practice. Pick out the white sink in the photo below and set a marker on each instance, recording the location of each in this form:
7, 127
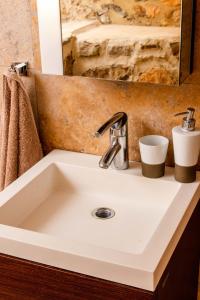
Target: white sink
46, 216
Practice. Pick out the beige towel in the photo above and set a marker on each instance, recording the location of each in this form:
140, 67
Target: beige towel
20, 146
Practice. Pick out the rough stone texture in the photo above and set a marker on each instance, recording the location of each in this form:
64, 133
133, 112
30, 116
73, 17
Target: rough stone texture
138, 12
87, 49
116, 72
146, 54
119, 50
157, 75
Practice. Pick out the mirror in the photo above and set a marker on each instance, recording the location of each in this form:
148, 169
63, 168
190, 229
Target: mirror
128, 40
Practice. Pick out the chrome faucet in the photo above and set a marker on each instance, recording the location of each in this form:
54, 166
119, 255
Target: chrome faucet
117, 153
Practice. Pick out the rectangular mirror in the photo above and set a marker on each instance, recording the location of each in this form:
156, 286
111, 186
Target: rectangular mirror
128, 40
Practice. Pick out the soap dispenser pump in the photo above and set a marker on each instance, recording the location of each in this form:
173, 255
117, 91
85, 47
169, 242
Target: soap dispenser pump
186, 142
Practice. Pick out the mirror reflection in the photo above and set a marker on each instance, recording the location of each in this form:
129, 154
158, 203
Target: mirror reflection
130, 40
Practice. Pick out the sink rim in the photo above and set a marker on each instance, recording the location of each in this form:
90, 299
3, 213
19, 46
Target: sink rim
143, 270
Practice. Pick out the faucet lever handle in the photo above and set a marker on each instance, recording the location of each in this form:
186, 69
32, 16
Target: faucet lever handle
189, 113
188, 121
116, 122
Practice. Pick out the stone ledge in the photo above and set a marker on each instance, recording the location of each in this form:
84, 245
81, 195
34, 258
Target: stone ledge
139, 54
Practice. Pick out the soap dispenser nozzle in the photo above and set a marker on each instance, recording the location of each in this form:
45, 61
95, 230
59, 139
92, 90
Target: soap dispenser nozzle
188, 121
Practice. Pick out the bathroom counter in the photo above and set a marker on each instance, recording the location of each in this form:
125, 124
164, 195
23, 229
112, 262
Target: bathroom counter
46, 224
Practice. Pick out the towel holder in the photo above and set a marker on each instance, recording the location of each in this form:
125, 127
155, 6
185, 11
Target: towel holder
20, 68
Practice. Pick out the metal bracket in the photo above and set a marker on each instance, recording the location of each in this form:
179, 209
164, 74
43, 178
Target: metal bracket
21, 68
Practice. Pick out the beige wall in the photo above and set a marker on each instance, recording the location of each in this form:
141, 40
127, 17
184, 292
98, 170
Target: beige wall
16, 39
70, 109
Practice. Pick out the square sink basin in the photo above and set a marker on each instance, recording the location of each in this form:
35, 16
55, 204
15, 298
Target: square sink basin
116, 225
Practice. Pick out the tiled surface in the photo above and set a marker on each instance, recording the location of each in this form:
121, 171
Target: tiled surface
16, 40
71, 109
15, 33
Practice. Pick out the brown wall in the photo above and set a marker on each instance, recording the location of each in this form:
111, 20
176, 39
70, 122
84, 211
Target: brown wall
70, 109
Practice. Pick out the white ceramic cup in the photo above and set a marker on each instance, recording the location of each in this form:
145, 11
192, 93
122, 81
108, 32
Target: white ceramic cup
153, 149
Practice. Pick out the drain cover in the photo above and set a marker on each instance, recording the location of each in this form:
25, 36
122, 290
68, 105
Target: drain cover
103, 213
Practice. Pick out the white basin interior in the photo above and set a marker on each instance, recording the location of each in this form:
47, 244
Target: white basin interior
60, 201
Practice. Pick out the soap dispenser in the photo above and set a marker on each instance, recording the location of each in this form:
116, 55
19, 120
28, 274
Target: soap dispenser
186, 142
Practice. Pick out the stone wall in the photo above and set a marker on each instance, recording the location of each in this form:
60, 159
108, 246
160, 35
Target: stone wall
137, 12
140, 54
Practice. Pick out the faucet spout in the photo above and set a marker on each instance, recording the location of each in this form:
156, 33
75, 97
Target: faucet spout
108, 157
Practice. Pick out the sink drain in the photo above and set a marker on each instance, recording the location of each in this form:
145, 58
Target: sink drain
103, 213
